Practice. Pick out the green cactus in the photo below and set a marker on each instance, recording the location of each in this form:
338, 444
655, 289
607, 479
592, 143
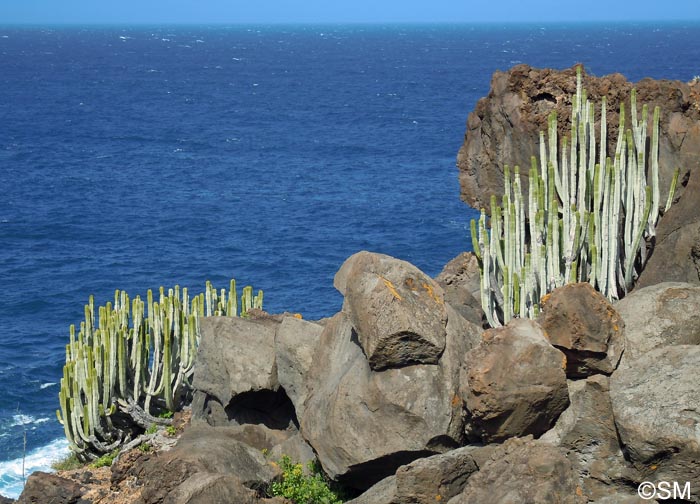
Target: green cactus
585, 220
124, 371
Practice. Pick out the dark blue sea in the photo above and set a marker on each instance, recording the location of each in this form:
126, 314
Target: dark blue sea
135, 157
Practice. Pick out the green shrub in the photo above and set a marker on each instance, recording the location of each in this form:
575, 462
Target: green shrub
152, 429
105, 460
301, 488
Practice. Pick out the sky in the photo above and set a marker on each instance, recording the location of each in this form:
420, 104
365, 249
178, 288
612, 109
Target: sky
341, 11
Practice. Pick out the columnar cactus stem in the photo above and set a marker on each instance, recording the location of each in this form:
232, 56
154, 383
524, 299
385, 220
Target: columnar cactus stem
587, 213
133, 366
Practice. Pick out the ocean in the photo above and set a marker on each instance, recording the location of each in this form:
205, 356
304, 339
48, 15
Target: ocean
141, 156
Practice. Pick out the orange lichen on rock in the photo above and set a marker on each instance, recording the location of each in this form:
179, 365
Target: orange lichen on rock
431, 292
391, 288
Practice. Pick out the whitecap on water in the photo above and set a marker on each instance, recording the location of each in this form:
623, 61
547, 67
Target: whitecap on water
50, 384
11, 471
22, 419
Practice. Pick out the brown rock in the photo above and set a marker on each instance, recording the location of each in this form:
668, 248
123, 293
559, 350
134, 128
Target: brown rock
514, 383
656, 404
676, 254
397, 310
580, 322
43, 487
364, 424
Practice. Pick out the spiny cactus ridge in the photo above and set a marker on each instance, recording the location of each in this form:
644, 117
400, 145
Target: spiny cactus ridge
589, 214
135, 363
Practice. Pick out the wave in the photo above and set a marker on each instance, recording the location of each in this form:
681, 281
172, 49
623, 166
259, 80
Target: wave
22, 419
11, 471
46, 385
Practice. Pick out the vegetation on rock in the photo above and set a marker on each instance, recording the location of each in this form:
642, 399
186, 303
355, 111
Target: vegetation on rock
585, 217
303, 488
133, 368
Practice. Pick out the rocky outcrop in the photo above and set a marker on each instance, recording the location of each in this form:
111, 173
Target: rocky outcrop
513, 383
207, 463
580, 322
504, 128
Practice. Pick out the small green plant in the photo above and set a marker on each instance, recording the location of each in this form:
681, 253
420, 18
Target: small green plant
301, 488
105, 460
145, 447
152, 429
166, 414
170, 430
68, 463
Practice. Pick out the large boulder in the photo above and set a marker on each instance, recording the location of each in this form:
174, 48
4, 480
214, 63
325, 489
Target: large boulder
364, 424
514, 383
660, 315
580, 322
523, 470
397, 310
656, 403
235, 375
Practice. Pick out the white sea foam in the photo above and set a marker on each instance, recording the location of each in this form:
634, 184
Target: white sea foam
11, 476
22, 419
46, 385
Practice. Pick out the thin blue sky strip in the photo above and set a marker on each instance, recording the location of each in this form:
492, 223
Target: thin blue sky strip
355, 11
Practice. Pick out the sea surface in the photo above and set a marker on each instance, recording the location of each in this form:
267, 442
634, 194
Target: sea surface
135, 157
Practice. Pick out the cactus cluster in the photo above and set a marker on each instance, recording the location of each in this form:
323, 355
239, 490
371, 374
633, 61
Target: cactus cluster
134, 362
585, 218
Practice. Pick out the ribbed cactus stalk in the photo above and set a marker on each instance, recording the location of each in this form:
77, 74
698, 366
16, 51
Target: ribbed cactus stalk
134, 362
588, 213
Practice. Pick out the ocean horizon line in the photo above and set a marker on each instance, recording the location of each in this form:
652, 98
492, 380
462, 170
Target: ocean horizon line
556, 24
